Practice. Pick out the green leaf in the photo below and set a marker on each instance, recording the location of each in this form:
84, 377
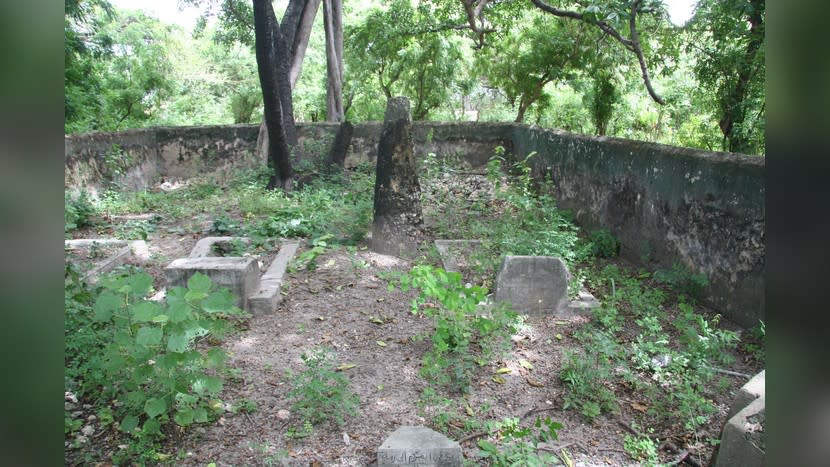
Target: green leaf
148, 336
155, 407
200, 415
151, 427
194, 296
184, 417
141, 283
168, 361
199, 282
144, 311
175, 296
105, 305
179, 311
178, 343
215, 358
207, 385
218, 302
136, 398
129, 423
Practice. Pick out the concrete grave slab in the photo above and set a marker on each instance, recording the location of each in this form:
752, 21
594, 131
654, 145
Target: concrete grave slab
127, 250
419, 446
267, 296
743, 437
239, 274
534, 285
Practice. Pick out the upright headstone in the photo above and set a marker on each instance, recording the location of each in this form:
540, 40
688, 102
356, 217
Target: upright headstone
533, 285
396, 229
419, 446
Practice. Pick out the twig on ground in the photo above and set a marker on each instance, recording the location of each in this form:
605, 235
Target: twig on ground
256, 432
683, 456
728, 372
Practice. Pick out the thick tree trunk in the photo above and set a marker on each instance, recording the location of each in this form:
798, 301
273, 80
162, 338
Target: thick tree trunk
340, 146
333, 21
273, 78
296, 28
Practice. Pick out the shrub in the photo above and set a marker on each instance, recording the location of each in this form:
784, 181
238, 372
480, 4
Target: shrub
683, 280
142, 354
604, 244
78, 211
460, 320
319, 392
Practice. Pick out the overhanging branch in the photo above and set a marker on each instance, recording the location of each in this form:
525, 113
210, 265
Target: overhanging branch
632, 44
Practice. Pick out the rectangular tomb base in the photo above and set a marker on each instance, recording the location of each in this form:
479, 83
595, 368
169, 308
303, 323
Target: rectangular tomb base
266, 297
239, 274
419, 446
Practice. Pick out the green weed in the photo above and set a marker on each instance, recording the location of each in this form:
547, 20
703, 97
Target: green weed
460, 320
319, 392
142, 354
519, 444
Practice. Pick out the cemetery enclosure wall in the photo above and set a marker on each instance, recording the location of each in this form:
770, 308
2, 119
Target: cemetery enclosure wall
667, 205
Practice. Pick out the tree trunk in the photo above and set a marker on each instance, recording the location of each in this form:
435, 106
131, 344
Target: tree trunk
333, 21
296, 28
523, 106
273, 77
340, 146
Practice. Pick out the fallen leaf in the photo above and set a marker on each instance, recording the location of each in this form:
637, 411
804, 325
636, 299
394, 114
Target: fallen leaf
321, 318
372, 319
499, 379
525, 364
566, 458
346, 366
469, 410
639, 407
535, 383
330, 263
381, 343
558, 336
504, 370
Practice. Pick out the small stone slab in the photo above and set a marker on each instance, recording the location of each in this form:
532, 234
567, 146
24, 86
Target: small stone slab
266, 298
239, 274
533, 285
137, 248
419, 446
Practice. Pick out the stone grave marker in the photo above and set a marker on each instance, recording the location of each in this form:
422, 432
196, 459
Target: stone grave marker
239, 274
396, 228
419, 446
534, 285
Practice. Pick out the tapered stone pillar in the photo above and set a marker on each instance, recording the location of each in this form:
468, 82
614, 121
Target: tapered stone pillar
396, 229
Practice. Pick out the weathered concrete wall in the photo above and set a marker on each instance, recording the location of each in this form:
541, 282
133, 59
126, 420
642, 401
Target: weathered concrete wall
666, 204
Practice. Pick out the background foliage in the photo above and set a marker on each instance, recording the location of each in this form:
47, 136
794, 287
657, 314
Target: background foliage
124, 69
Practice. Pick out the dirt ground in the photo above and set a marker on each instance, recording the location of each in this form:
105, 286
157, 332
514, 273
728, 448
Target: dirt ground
339, 305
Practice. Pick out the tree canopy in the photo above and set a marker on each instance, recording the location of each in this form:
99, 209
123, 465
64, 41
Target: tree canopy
610, 68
